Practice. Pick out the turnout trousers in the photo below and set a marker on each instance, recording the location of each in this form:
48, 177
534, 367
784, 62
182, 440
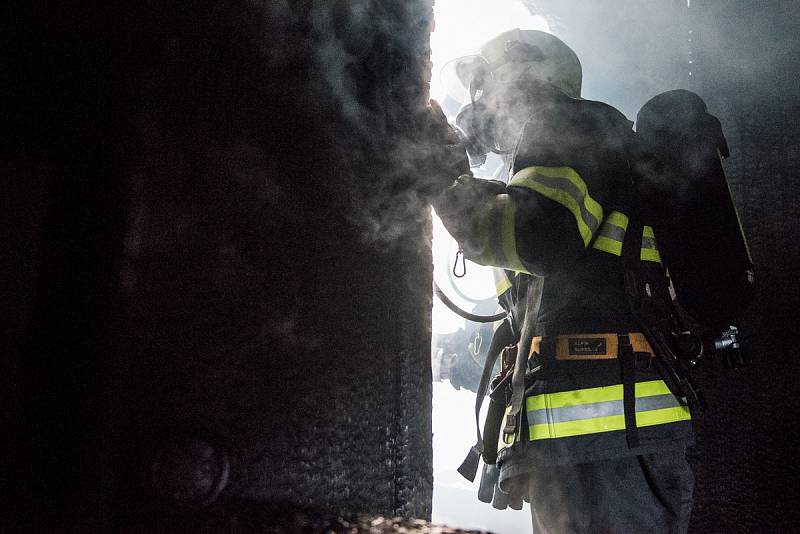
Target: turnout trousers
650, 494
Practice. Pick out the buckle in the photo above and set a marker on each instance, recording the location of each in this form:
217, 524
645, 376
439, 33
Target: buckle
508, 358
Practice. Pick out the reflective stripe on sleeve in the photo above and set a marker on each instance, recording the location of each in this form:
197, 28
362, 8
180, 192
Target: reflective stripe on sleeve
611, 234
496, 234
502, 282
649, 247
595, 410
565, 186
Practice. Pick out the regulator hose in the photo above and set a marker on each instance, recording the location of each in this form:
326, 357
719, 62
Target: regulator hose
465, 314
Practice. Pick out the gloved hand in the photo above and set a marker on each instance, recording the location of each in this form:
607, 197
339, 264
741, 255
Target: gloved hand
441, 154
460, 205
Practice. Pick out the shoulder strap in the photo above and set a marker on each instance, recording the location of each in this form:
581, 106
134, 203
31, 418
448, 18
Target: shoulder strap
673, 370
627, 358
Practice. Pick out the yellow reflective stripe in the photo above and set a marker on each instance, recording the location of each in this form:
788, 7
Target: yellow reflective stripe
484, 217
651, 254
572, 194
496, 234
502, 282
608, 245
649, 251
618, 219
577, 428
509, 236
651, 388
567, 201
590, 395
664, 415
608, 423
572, 175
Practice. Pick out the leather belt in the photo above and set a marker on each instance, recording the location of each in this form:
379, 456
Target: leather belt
591, 346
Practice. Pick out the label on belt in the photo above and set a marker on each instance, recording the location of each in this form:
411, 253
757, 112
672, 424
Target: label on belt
587, 346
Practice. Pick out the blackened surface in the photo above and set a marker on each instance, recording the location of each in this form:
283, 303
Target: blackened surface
747, 476
225, 241
67, 158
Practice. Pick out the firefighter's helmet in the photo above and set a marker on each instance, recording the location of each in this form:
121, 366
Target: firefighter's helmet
495, 86
514, 55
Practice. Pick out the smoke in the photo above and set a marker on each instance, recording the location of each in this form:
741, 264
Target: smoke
335, 60
353, 48
630, 50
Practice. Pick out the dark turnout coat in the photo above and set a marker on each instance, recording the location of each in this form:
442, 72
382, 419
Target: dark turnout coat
564, 216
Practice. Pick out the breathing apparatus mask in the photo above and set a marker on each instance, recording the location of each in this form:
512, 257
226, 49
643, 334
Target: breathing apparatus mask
497, 86
490, 120
475, 122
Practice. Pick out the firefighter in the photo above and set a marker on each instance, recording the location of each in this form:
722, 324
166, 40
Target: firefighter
594, 434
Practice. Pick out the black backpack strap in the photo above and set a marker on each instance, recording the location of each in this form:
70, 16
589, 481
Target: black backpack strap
627, 359
674, 372
491, 428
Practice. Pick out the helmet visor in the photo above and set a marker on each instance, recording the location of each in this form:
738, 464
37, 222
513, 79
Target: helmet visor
466, 78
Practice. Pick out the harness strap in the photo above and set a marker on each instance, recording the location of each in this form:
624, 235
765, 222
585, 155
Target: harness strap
672, 369
501, 338
535, 289
628, 367
491, 428
465, 314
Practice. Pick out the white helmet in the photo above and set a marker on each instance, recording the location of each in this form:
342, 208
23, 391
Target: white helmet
512, 55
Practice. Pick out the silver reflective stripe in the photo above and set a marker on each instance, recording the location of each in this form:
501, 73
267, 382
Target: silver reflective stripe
649, 242
572, 190
611, 235
599, 409
612, 231
649, 248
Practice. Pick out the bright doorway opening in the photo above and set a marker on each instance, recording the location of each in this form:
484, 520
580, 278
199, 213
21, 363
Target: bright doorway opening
461, 27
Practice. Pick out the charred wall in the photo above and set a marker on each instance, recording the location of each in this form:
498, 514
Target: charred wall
747, 479
218, 255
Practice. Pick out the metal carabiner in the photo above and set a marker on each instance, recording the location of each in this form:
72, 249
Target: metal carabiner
463, 264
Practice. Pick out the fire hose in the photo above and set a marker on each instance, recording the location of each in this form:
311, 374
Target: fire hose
465, 314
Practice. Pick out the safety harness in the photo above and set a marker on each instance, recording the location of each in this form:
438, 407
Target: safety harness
523, 369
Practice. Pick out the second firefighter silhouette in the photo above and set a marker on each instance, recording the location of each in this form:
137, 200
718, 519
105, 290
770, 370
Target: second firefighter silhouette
592, 435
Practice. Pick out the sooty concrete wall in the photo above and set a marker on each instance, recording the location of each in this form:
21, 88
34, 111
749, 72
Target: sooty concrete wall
220, 259
747, 478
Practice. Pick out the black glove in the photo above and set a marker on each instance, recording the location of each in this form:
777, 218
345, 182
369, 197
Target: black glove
441, 154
